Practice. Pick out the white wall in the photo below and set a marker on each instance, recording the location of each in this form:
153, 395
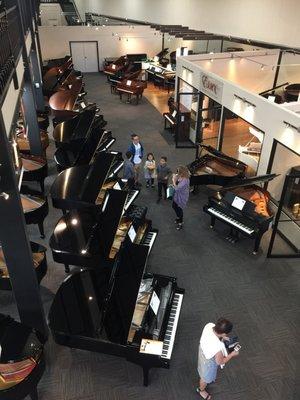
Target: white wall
51, 15
55, 40
268, 20
266, 116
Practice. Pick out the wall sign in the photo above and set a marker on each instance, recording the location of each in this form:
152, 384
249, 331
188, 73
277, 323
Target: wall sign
211, 87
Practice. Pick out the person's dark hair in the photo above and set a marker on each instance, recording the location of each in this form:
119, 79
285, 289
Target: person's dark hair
128, 154
133, 135
223, 326
150, 154
164, 158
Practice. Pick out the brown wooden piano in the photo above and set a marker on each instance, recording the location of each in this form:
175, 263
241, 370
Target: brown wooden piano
55, 75
63, 102
131, 87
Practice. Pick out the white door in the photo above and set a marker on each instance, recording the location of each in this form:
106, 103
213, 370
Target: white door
85, 57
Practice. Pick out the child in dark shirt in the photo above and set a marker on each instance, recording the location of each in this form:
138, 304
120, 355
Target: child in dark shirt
163, 174
128, 169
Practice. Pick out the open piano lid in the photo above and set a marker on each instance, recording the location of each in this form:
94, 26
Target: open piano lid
254, 180
162, 53
112, 211
219, 154
76, 127
83, 183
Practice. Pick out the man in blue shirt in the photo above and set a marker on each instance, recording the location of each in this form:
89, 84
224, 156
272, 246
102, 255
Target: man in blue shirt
137, 151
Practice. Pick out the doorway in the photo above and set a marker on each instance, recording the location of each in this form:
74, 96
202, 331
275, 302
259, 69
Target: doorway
85, 56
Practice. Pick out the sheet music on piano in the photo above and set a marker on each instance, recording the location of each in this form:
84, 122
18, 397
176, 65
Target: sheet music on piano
174, 113
238, 203
128, 83
151, 347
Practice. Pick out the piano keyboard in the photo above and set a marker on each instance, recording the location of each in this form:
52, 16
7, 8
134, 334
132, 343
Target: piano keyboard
230, 220
169, 119
130, 198
149, 239
172, 326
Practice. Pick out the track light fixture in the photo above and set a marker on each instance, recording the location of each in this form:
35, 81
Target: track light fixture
244, 100
288, 125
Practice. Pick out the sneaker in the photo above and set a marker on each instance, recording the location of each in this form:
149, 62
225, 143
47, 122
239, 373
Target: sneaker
179, 226
152, 185
147, 185
176, 221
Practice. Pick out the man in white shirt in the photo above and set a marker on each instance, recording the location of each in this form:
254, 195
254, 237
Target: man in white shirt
212, 353
137, 151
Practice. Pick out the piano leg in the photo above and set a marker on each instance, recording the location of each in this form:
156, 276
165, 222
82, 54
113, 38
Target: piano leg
67, 269
42, 185
212, 222
41, 229
145, 376
34, 394
257, 243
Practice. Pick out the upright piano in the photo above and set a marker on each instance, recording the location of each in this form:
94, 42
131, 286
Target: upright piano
212, 167
244, 206
120, 309
179, 120
82, 186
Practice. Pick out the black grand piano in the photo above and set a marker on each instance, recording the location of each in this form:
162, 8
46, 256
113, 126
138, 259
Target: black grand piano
22, 362
212, 167
120, 309
243, 205
79, 138
88, 236
82, 186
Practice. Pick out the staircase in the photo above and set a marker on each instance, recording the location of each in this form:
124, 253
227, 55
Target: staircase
69, 10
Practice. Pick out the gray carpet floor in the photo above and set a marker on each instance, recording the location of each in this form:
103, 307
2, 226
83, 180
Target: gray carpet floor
260, 296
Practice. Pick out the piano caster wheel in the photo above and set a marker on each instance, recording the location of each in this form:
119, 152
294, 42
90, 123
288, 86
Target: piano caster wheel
211, 226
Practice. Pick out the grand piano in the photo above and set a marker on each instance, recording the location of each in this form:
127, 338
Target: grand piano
244, 206
55, 75
82, 186
34, 203
212, 167
39, 263
120, 309
86, 237
63, 103
131, 87
123, 67
22, 362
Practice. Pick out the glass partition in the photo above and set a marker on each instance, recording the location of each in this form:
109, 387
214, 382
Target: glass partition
285, 192
242, 141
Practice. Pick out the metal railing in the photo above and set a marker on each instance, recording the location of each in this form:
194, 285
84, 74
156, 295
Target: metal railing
10, 45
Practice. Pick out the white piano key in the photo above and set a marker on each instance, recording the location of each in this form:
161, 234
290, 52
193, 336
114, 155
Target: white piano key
230, 220
172, 327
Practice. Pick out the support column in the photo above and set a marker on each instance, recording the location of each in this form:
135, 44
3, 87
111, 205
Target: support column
29, 102
221, 129
37, 78
15, 244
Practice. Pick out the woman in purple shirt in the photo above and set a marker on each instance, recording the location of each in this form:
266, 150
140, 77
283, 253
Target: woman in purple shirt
181, 183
